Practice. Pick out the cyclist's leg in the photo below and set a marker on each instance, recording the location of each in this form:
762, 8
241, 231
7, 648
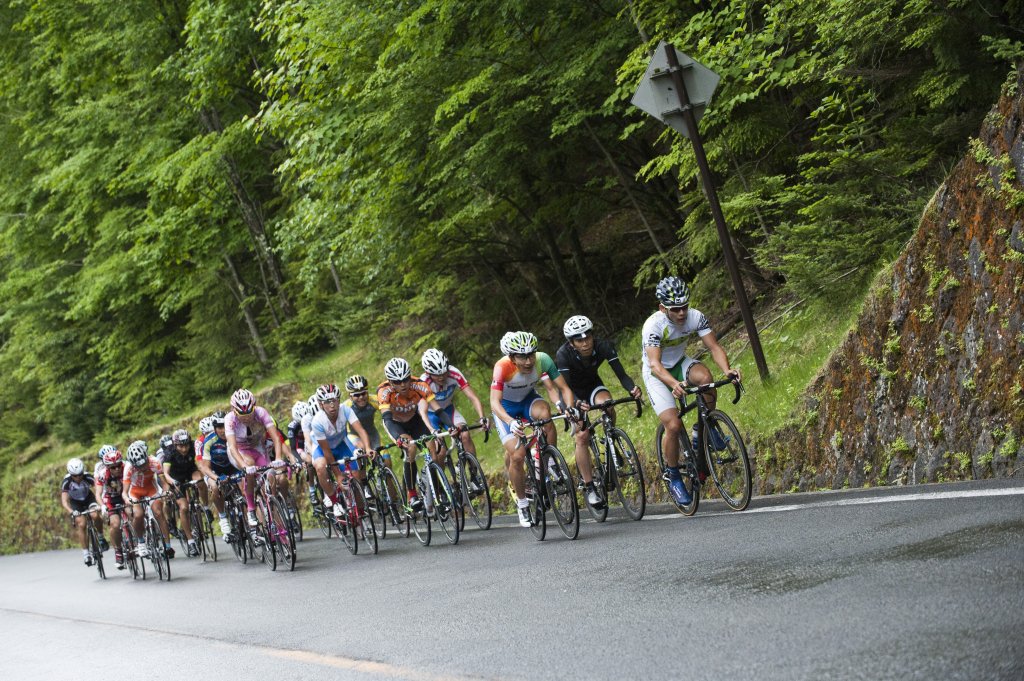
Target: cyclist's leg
138, 519
664, 404
79, 523
698, 374
204, 493
186, 522
322, 474
540, 409
161, 519
115, 529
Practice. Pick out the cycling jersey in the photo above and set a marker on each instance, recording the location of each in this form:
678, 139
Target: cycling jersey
251, 436
78, 490
659, 332
444, 392
181, 466
365, 414
144, 481
334, 432
401, 403
296, 438
580, 372
516, 386
110, 485
215, 450
197, 447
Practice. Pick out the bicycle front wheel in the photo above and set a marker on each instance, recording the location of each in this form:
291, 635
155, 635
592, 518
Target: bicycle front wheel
281, 537
129, 550
154, 540
561, 489
598, 513
445, 509
727, 460
320, 514
394, 510
363, 519
628, 475
94, 548
418, 517
476, 490
376, 508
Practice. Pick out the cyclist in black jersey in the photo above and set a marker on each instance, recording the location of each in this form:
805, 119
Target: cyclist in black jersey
180, 467
578, 361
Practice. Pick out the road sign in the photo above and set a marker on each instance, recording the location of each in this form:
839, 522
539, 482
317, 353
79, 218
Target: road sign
657, 94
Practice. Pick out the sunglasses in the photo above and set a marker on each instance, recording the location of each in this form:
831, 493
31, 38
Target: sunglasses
402, 382
246, 412
523, 356
359, 394
333, 400
678, 308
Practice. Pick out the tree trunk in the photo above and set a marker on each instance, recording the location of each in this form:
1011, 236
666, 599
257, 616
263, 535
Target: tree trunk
334, 276
558, 263
238, 289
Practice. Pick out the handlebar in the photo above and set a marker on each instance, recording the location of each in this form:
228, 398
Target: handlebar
737, 385
607, 404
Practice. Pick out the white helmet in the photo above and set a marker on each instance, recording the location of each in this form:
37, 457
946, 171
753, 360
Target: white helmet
206, 425
520, 343
313, 404
397, 369
138, 453
576, 327
76, 467
299, 409
106, 449
434, 361
328, 391
243, 401
503, 343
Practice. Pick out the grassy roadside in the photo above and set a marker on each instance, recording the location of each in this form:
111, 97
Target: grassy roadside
797, 339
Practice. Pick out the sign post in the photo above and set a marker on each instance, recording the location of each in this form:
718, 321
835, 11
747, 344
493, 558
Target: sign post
676, 90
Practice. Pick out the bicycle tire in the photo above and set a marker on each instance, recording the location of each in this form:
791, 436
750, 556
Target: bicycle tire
205, 541
320, 513
238, 534
129, 550
94, 548
361, 519
445, 508
395, 508
291, 510
154, 540
538, 515
376, 509
419, 520
457, 491
730, 473
343, 527
561, 489
173, 517
688, 509
283, 541
263, 539
479, 503
598, 514
630, 486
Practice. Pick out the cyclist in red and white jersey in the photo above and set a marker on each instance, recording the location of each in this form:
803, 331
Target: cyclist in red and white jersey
444, 379
247, 427
109, 487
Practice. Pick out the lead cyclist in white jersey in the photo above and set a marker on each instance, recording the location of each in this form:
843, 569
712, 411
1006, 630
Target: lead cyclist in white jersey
668, 370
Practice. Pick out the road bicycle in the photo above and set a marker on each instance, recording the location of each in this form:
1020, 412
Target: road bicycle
92, 540
355, 522
290, 502
201, 521
549, 483
437, 502
235, 508
469, 483
724, 454
386, 505
153, 538
273, 537
616, 465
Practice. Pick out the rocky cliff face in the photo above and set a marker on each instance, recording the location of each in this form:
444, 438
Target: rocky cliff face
930, 385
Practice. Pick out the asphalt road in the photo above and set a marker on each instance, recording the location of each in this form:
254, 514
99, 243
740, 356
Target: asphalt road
907, 583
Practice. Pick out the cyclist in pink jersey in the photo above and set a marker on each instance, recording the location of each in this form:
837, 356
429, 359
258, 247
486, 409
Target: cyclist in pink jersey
247, 428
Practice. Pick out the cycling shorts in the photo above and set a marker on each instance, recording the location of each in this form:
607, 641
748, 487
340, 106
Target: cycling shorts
453, 414
519, 409
259, 457
414, 428
137, 492
341, 452
660, 394
223, 470
87, 504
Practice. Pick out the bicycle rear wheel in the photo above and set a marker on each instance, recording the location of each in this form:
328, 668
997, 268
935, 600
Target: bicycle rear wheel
629, 476
280, 534
598, 513
476, 490
686, 469
728, 464
445, 509
561, 489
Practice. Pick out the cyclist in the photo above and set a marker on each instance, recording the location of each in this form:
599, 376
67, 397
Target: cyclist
216, 466
142, 479
329, 429
76, 496
443, 379
514, 397
108, 489
366, 408
247, 427
180, 467
578, 360
296, 436
166, 446
667, 369
312, 409
401, 398
205, 429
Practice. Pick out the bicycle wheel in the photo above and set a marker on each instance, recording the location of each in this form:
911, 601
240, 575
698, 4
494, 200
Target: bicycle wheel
445, 509
94, 548
173, 517
729, 465
419, 519
598, 513
343, 526
395, 509
262, 537
538, 501
129, 550
320, 513
686, 469
460, 497
629, 475
561, 489
236, 518
291, 511
206, 541
375, 508
362, 520
280, 535
475, 490
154, 540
